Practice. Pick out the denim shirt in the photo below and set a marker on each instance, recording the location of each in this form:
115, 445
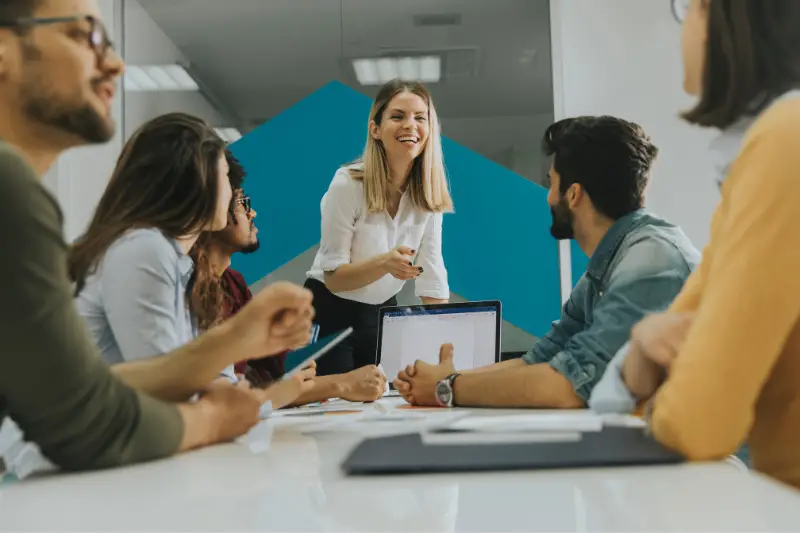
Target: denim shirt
611, 395
638, 268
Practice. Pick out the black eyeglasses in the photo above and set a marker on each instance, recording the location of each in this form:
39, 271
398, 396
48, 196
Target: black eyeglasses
97, 36
244, 201
679, 9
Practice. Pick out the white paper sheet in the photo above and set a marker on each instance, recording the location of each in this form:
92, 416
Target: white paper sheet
485, 437
567, 421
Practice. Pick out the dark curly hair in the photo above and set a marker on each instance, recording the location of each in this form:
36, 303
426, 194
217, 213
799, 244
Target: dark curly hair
208, 298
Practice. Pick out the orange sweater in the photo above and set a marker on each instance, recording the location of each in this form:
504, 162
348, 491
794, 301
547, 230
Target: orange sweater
737, 376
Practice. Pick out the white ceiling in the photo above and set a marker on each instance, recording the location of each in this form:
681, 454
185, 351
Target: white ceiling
260, 56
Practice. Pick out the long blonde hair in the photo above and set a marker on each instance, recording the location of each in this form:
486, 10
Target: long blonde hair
427, 182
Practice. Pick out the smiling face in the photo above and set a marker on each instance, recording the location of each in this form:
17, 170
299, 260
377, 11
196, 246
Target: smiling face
58, 77
403, 129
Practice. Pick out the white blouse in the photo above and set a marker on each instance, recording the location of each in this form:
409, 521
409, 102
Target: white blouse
351, 234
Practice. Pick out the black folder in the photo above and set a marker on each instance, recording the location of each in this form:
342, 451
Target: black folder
407, 454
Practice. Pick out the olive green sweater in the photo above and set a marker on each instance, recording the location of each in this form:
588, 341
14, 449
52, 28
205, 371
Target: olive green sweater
52, 380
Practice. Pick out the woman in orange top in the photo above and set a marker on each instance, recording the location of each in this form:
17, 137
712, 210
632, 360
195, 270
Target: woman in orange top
722, 365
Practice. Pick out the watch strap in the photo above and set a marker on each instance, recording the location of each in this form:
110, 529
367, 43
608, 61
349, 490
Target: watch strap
451, 379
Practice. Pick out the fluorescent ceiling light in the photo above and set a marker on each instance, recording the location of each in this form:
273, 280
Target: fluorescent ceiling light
430, 69
387, 69
377, 71
228, 135
408, 68
158, 78
366, 71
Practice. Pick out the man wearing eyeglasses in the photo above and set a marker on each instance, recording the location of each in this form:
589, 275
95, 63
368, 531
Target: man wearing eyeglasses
58, 74
241, 236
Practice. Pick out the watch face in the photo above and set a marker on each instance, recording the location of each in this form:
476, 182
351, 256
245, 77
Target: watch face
444, 393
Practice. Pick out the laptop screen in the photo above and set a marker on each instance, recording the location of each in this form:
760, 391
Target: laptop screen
411, 333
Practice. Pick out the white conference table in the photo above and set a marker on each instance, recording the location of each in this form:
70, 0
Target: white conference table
297, 485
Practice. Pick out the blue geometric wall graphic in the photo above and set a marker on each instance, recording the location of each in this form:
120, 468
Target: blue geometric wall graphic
290, 161
496, 246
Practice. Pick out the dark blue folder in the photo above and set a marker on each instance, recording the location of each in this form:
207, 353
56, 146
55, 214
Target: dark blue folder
407, 454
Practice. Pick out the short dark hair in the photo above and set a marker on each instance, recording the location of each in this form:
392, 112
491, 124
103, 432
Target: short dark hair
609, 157
752, 56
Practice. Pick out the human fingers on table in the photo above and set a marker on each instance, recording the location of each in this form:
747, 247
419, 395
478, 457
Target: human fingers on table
401, 386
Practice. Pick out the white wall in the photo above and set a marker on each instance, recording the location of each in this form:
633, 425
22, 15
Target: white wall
147, 44
79, 177
622, 57
514, 142
141, 107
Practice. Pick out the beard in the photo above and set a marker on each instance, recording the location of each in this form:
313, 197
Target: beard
83, 122
250, 248
42, 106
562, 226
253, 246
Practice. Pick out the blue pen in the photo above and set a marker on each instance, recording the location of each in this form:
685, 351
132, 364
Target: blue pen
314, 333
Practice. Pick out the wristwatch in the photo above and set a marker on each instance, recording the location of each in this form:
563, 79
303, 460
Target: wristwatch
444, 391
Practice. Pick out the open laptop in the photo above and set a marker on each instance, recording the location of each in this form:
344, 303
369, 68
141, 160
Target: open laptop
408, 333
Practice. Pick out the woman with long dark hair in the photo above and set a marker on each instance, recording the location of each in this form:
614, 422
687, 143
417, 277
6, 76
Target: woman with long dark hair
132, 270
131, 267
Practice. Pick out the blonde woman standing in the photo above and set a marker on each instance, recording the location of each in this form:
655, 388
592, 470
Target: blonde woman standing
382, 225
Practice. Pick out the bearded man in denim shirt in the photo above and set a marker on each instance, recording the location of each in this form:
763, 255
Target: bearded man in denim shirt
638, 264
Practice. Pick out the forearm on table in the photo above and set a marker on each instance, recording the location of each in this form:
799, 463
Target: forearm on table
353, 276
199, 425
180, 374
537, 385
494, 367
325, 387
